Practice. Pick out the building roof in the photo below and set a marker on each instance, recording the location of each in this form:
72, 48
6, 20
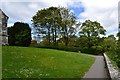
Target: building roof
3, 13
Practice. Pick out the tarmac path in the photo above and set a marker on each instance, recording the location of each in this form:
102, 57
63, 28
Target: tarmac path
98, 70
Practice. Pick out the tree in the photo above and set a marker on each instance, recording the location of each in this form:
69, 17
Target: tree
92, 30
82, 40
19, 34
72, 40
110, 43
33, 43
68, 20
118, 48
47, 22
11, 37
112, 49
54, 23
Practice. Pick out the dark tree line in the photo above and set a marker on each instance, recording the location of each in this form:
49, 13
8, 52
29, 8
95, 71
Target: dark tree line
19, 34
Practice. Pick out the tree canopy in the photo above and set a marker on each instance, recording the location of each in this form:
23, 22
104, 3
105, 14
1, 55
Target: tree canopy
54, 23
19, 34
92, 30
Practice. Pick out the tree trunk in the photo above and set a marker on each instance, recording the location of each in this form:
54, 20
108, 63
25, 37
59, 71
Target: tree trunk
49, 36
66, 36
55, 36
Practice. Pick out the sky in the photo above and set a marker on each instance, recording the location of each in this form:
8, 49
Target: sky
103, 11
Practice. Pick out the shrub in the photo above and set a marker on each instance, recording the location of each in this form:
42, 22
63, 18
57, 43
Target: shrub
114, 55
93, 50
99, 50
64, 48
118, 59
33, 43
88, 50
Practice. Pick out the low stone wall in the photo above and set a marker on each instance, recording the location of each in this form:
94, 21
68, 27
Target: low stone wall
114, 73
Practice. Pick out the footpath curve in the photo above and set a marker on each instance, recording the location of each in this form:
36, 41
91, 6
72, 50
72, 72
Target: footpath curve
98, 70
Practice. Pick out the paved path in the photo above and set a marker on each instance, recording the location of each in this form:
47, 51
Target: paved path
98, 69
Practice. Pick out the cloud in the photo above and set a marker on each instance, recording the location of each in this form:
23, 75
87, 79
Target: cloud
10, 24
75, 4
21, 11
103, 11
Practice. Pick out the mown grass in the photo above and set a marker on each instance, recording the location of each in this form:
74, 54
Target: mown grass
23, 62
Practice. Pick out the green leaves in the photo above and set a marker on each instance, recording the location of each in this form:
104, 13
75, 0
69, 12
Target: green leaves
19, 34
54, 22
92, 30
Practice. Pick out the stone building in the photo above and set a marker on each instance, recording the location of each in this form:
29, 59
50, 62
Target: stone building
3, 28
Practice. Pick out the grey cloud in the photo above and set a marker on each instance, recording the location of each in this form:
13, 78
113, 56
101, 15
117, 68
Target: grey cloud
21, 10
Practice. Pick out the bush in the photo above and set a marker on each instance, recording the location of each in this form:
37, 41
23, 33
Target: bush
99, 50
91, 50
114, 55
118, 59
64, 48
33, 43
95, 50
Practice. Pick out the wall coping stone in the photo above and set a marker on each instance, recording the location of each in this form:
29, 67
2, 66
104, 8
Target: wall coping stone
114, 73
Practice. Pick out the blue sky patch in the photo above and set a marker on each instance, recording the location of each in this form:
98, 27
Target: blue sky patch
77, 10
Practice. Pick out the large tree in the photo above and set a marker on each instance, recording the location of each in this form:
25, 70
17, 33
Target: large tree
19, 34
92, 30
46, 22
68, 20
54, 23
110, 43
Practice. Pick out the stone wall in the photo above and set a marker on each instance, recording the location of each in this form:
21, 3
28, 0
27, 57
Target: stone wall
114, 73
3, 28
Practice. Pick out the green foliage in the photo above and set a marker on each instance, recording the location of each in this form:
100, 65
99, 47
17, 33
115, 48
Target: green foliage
11, 37
64, 48
47, 23
19, 34
113, 49
82, 40
86, 50
33, 43
23, 62
68, 20
118, 57
110, 43
99, 49
54, 23
92, 30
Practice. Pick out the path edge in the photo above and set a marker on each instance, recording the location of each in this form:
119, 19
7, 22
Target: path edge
113, 72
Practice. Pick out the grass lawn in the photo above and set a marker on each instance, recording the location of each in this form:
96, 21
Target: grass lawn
23, 62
